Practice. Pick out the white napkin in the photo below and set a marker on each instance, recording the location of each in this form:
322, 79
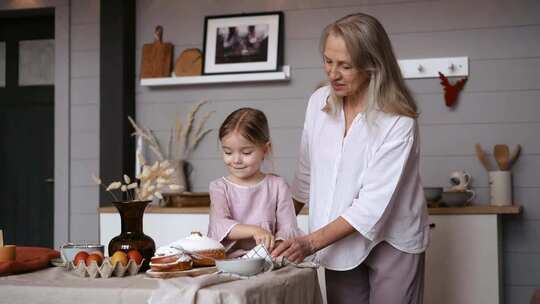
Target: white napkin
271, 263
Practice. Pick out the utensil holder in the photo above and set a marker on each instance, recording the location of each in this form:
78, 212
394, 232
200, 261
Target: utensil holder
500, 184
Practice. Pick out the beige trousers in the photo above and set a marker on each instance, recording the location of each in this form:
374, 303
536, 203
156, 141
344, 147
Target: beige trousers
387, 276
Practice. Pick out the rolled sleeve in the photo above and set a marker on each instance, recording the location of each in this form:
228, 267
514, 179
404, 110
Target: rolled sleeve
379, 185
221, 221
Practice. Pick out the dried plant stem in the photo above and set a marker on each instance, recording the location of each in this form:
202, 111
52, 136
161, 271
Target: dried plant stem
202, 122
148, 136
112, 193
151, 182
130, 196
178, 133
170, 143
196, 142
184, 140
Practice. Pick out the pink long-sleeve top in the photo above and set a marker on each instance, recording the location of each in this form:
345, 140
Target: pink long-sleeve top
268, 204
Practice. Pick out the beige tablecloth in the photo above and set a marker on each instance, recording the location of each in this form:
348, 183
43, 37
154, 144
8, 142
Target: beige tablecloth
55, 285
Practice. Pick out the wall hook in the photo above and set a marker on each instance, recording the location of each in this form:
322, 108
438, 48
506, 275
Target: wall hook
428, 67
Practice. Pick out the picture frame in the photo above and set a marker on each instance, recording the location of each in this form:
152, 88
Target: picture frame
243, 43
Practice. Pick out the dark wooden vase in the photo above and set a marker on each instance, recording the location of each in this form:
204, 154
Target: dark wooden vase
132, 236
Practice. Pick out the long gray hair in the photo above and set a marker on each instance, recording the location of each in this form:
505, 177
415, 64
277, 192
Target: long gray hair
371, 51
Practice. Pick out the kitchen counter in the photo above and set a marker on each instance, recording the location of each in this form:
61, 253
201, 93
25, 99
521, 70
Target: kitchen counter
462, 260
476, 209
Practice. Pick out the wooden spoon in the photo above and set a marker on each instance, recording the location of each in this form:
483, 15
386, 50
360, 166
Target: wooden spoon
482, 157
502, 156
515, 155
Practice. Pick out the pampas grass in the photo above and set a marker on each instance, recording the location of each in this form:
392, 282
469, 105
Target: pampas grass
148, 136
183, 139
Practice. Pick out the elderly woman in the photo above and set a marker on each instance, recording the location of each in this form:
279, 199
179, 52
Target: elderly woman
359, 172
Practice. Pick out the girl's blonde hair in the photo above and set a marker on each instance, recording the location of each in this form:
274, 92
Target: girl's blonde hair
250, 123
371, 51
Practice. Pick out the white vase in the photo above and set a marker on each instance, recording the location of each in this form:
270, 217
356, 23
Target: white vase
180, 176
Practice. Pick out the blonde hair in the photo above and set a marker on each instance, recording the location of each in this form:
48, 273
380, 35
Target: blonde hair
371, 51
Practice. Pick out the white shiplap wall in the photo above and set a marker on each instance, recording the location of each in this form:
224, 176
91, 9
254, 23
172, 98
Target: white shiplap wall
85, 43
499, 103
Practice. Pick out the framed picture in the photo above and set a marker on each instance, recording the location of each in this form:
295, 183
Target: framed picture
243, 43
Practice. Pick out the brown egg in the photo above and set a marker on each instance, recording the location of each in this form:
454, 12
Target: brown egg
98, 253
135, 256
94, 257
80, 257
119, 257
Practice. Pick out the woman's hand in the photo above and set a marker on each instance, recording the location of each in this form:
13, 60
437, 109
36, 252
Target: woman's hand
265, 237
295, 250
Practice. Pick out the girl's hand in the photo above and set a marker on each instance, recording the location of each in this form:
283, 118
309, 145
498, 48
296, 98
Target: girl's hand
262, 236
295, 250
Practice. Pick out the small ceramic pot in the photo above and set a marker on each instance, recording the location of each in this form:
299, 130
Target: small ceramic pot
433, 194
457, 198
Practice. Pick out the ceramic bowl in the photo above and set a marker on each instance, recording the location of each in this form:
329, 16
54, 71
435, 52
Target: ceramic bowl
456, 199
433, 194
243, 267
69, 250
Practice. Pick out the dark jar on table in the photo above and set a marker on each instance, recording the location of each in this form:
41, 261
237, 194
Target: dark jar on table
132, 236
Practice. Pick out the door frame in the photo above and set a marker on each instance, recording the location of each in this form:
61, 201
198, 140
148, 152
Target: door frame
62, 114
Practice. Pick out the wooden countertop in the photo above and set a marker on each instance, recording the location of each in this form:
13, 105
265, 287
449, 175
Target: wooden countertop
478, 209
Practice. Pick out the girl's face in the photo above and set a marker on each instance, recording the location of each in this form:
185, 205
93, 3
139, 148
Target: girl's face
243, 158
345, 79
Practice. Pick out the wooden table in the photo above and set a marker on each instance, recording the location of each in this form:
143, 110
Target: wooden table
462, 260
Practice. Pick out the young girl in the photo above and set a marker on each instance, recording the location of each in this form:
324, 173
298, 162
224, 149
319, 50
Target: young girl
248, 206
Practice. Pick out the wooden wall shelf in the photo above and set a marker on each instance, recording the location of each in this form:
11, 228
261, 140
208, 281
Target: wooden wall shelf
283, 75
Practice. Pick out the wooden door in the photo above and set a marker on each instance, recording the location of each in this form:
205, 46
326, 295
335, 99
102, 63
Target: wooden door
26, 137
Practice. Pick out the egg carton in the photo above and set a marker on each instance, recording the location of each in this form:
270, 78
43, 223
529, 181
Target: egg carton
106, 270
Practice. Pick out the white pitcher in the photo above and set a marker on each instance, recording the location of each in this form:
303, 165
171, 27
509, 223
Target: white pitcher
460, 180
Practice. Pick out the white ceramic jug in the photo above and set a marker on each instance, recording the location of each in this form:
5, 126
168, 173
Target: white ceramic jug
460, 180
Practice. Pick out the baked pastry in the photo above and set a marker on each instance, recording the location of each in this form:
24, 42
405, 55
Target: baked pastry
203, 249
170, 259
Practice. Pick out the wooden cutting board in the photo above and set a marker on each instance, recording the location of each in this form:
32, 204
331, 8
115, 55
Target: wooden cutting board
183, 273
157, 57
189, 63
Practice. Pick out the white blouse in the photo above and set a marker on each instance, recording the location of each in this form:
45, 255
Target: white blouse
370, 177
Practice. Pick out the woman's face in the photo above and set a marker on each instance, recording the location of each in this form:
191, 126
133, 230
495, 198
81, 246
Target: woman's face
242, 158
345, 79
